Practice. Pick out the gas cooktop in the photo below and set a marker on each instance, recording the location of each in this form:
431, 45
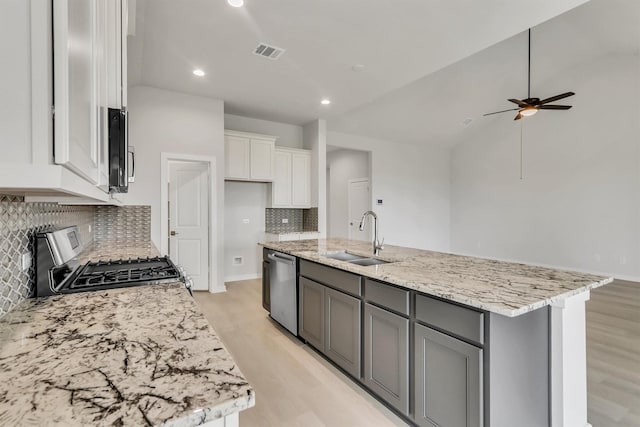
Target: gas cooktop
121, 273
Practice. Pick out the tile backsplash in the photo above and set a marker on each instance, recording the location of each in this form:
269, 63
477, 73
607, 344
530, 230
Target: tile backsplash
20, 220
299, 220
126, 226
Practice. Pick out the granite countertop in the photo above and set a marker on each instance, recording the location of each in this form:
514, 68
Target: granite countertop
505, 288
132, 356
289, 232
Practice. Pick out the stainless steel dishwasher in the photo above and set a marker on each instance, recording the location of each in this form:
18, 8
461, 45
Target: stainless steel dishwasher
282, 277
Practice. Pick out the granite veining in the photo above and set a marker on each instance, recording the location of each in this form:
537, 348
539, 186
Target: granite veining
134, 356
501, 287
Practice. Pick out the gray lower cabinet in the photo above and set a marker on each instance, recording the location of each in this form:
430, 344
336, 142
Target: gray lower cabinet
448, 380
386, 356
342, 331
311, 312
266, 288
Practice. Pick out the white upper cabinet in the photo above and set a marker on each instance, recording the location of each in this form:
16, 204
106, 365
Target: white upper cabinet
248, 157
89, 78
291, 187
281, 186
58, 47
75, 61
237, 159
301, 179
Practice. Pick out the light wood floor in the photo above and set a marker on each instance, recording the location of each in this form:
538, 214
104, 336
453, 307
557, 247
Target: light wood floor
613, 355
296, 387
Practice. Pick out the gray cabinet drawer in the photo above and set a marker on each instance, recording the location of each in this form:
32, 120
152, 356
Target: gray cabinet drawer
460, 321
387, 296
341, 280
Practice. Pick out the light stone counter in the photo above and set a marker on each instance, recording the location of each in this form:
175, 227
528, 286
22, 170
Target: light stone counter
132, 356
505, 288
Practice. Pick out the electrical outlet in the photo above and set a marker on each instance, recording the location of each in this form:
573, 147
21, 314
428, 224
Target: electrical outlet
379, 202
238, 260
285, 220
89, 228
246, 221
26, 261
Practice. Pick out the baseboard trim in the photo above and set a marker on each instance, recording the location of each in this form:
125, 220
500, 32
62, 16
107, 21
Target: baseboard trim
242, 277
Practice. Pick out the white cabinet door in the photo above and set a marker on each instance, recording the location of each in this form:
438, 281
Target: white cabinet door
75, 87
236, 157
281, 187
262, 159
115, 52
301, 180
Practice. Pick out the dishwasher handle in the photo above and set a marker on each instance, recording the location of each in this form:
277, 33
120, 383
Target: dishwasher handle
281, 258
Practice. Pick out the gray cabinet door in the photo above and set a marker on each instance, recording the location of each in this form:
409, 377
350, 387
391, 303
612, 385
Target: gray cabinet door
386, 356
342, 331
311, 312
448, 380
266, 289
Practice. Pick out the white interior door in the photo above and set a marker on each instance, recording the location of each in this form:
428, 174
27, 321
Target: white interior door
189, 219
359, 195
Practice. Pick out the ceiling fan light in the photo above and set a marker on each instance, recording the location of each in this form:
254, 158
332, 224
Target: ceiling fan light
528, 111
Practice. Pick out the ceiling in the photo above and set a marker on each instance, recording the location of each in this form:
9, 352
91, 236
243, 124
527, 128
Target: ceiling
399, 43
432, 109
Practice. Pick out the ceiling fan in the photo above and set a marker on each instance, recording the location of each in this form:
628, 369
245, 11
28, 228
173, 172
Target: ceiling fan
530, 106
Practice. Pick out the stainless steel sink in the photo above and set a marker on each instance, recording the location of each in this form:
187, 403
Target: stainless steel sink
368, 261
344, 256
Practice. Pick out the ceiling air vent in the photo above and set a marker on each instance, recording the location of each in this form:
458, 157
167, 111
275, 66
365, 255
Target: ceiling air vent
268, 51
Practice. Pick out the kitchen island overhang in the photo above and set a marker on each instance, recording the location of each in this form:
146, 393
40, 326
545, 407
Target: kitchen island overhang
546, 305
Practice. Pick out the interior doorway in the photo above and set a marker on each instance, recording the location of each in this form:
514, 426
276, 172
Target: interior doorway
358, 201
188, 216
348, 192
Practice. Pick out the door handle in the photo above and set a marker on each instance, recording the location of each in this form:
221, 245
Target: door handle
173, 233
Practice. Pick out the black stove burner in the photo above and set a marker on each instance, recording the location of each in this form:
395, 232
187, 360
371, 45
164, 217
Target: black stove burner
122, 273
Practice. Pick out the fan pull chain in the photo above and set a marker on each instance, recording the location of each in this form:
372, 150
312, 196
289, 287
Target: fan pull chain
521, 148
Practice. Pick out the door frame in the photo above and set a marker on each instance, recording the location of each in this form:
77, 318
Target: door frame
165, 158
349, 216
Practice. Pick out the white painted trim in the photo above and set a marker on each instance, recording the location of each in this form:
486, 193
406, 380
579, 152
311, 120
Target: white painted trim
569, 362
349, 215
213, 218
239, 277
230, 132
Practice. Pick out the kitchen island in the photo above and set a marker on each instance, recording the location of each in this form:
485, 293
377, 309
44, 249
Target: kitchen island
132, 356
446, 339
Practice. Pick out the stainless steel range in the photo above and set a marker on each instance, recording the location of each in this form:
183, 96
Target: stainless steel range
59, 272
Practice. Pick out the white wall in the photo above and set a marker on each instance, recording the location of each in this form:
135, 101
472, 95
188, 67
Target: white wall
578, 206
242, 201
288, 135
413, 182
164, 121
315, 139
343, 165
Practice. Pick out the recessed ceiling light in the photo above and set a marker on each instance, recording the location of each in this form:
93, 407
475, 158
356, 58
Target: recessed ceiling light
236, 3
198, 72
357, 68
325, 102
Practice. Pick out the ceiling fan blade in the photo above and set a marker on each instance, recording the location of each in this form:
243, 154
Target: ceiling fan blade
517, 101
556, 98
518, 117
503, 111
554, 107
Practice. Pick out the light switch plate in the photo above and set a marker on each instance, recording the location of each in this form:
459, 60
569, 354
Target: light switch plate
246, 221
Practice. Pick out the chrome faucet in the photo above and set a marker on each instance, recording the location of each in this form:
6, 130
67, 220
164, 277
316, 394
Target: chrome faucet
377, 245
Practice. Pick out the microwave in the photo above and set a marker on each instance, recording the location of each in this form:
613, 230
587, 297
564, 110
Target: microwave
121, 170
